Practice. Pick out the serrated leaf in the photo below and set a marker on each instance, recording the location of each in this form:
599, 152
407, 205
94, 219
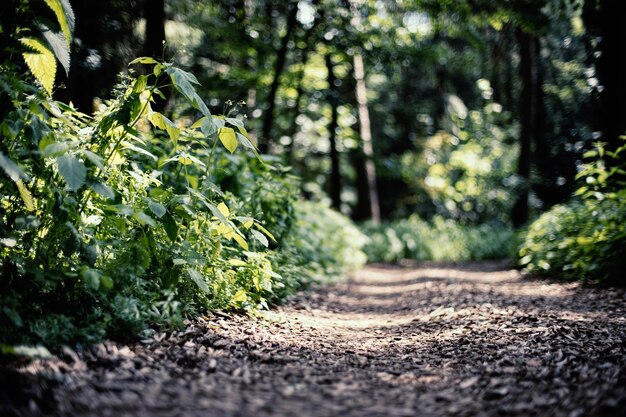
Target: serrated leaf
10, 168
41, 62
103, 190
228, 138
241, 241
260, 237
27, 197
65, 16
158, 209
59, 45
198, 279
72, 170
223, 208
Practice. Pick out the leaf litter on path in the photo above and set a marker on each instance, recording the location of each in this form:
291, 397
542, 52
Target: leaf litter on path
432, 339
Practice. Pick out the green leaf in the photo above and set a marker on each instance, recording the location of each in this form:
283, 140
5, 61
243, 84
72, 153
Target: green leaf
198, 279
228, 138
103, 190
72, 170
171, 228
91, 277
94, 158
217, 213
240, 296
143, 60
183, 81
10, 168
260, 237
223, 208
144, 219
41, 62
27, 197
65, 16
241, 241
158, 209
208, 127
264, 230
161, 122
60, 47
55, 149
235, 122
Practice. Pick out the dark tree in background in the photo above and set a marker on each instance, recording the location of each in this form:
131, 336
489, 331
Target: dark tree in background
104, 42
605, 20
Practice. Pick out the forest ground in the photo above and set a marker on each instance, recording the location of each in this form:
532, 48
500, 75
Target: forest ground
474, 339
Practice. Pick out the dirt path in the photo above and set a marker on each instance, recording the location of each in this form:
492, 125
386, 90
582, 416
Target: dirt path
430, 340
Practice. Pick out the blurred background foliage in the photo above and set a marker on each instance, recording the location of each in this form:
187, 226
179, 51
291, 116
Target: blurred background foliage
445, 128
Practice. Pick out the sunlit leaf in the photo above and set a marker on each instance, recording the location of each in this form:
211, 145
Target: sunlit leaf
240, 296
41, 62
228, 138
143, 60
65, 16
59, 46
27, 197
241, 241
223, 209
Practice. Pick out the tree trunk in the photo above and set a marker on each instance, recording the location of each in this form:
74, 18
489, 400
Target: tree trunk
154, 44
604, 19
366, 137
527, 117
333, 99
279, 67
154, 13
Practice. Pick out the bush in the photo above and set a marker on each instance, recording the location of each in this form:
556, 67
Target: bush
585, 238
438, 240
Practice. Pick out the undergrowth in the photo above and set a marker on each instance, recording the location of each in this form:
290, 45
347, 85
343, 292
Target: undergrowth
584, 239
438, 240
127, 219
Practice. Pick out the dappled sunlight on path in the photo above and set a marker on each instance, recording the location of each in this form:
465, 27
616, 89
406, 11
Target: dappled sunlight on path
475, 339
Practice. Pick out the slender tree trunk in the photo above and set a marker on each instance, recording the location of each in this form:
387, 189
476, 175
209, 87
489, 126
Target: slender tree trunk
527, 108
333, 99
154, 45
610, 69
154, 13
279, 67
366, 137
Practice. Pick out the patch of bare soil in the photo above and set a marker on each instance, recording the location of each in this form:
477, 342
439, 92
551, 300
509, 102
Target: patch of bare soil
427, 340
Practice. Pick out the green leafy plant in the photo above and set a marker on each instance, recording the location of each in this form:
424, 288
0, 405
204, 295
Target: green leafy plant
438, 240
585, 238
